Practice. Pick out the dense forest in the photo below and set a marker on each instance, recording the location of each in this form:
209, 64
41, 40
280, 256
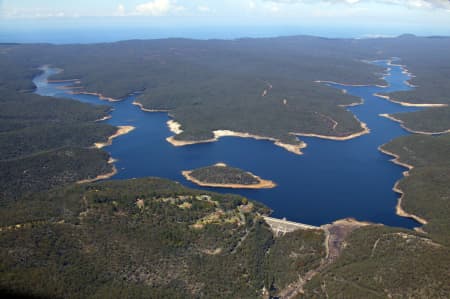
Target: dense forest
45, 142
222, 174
427, 188
431, 120
146, 238
153, 238
243, 85
256, 86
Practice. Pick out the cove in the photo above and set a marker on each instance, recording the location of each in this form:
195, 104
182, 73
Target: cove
332, 180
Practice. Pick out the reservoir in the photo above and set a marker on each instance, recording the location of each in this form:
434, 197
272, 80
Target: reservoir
331, 180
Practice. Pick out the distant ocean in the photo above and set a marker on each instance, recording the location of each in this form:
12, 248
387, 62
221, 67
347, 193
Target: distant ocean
98, 34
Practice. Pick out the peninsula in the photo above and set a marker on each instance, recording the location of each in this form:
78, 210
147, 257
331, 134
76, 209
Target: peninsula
222, 176
121, 130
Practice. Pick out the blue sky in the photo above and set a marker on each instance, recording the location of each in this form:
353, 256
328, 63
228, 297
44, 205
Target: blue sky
383, 17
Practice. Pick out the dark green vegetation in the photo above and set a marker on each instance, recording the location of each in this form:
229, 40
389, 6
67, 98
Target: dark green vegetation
218, 174
292, 256
212, 85
427, 188
44, 141
206, 83
146, 238
51, 169
381, 262
429, 120
427, 59
261, 86
155, 238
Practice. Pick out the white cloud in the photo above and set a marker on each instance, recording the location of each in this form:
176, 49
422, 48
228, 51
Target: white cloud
158, 8
203, 8
272, 7
252, 4
33, 13
120, 10
408, 3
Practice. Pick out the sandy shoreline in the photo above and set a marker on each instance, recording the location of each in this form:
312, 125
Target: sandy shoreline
174, 127
62, 81
136, 103
365, 130
396, 160
353, 85
402, 124
361, 102
78, 81
263, 184
121, 130
406, 104
102, 176
405, 71
293, 148
99, 95
399, 209
388, 72
104, 118
69, 87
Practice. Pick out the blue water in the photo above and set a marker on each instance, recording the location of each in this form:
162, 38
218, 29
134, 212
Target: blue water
332, 180
96, 29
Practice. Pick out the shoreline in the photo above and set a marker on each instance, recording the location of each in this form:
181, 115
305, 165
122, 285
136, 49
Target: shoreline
398, 208
293, 148
63, 81
99, 95
174, 127
263, 184
406, 104
353, 85
365, 131
104, 118
105, 176
401, 212
296, 149
405, 71
121, 130
396, 160
136, 103
352, 104
402, 124
78, 81
69, 87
